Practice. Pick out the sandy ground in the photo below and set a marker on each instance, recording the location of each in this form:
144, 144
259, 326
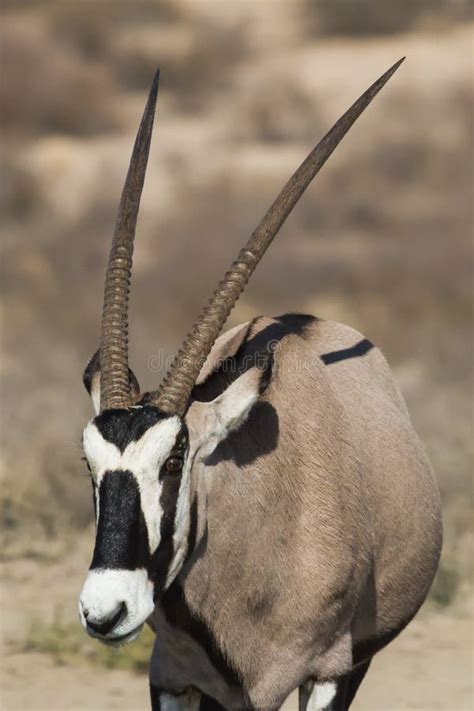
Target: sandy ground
430, 666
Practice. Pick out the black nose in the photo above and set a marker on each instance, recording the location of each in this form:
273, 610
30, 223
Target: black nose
104, 626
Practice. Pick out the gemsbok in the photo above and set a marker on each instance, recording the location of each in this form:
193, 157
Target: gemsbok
269, 510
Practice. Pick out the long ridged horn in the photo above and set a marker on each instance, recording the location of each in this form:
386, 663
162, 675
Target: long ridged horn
114, 376
173, 394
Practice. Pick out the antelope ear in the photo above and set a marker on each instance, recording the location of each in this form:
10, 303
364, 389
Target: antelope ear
211, 422
91, 380
226, 346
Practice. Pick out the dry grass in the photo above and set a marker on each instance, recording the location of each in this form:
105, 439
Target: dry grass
67, 643
366, 18
48, 87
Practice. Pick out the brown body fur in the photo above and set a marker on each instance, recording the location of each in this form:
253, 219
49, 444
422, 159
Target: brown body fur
317, 528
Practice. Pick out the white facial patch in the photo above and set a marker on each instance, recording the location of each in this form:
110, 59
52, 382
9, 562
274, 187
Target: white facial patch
143, 458
106, 590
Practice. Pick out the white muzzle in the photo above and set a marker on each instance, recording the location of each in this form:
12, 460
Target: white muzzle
114, 604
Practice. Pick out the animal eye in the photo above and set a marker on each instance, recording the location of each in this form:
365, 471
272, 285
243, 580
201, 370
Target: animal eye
173, 465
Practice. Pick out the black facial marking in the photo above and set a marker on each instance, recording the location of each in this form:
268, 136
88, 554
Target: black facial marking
163, 555
121, 427
360, 349
121, 538
193, 524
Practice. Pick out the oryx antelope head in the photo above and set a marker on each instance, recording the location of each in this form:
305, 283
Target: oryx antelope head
142, 450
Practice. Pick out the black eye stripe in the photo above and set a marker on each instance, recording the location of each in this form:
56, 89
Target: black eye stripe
178, 451
163, 555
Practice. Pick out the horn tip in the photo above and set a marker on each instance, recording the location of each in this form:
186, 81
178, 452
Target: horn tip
397, 64
393, 68
156, 78
381, 81
154, 85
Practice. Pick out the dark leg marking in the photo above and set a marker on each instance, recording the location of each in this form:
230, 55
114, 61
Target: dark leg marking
155, 698
210, 704
347, 688
355, 679
179, 615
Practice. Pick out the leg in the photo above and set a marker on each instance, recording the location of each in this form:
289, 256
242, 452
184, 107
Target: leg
355, 679
317, 697
209, 704
332, 696
164, 701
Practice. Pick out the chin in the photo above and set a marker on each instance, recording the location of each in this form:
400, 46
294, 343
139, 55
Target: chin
122, 640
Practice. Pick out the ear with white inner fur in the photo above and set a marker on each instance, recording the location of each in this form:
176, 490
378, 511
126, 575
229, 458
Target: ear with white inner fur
91, 380
226, 346
210, 422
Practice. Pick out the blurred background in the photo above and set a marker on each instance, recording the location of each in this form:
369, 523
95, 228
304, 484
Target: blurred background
381, 241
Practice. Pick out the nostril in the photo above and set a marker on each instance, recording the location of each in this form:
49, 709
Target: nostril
104, 626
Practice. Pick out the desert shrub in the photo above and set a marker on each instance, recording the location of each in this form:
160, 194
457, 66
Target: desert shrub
92, 33
195, 57
365, 17
67, 643
131, 40
19, 191
297, 115
47, 87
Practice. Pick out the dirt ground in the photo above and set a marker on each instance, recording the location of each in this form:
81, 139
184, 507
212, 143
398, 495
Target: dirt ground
430, 666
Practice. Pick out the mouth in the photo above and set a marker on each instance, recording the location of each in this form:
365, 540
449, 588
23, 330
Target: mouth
118, 640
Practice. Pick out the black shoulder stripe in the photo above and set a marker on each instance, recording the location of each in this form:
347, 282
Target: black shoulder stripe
360, 349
